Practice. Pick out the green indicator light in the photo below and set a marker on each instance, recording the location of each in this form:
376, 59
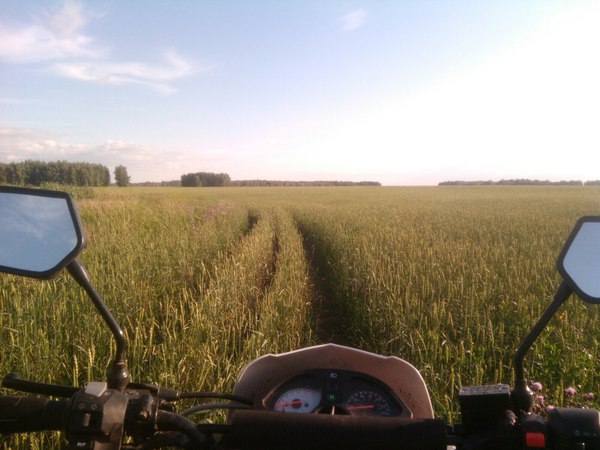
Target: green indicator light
331, 397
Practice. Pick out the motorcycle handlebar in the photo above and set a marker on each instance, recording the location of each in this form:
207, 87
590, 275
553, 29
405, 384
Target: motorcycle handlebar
14, 381
25, 414
252, 429
30, 414
566, 428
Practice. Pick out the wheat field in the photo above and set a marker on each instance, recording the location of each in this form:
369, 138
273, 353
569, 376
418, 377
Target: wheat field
203, 280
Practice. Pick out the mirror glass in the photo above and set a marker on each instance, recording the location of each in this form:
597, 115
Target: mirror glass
580, 261
39, 233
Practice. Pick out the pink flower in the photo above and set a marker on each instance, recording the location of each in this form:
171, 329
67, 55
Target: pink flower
549, 408
588, 396
570, 391
536, 387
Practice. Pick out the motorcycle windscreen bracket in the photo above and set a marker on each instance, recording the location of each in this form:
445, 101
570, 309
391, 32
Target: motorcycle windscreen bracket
579, 259
41, 231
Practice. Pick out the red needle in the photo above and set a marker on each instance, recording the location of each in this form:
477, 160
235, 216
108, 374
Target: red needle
360, 406
293, 402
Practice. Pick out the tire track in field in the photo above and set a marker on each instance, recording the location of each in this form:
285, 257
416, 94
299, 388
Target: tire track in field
239, 283
270, 269
264, 274
252, 221
328, 323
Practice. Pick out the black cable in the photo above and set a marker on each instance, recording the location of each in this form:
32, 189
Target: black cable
211, 407
178, 440
225, 396
167, 421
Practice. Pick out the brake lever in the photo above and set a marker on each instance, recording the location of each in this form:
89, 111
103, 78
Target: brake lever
14, 381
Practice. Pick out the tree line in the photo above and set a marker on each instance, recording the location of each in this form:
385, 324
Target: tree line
37, 173
207, 179
198, 179
303, 183
520, 182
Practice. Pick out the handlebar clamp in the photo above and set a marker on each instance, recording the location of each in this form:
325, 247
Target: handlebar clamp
97, 415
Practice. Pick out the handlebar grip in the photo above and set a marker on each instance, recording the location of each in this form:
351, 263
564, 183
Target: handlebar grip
24, 414
251, 429
14, 381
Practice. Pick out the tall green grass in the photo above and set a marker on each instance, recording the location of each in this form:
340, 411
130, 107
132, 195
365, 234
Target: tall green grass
204, 280
451, 280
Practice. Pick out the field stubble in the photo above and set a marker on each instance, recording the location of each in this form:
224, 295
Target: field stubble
204, 280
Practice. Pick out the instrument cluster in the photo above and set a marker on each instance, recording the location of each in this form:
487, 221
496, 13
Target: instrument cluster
327, 391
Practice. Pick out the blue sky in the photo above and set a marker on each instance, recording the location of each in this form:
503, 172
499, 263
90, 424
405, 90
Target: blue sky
404, 92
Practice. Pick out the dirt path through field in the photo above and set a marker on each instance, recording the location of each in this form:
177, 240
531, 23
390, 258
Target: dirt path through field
328, 325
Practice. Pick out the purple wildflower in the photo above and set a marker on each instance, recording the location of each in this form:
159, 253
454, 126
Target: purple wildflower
536, 387
570, 391
549, 408
588, 396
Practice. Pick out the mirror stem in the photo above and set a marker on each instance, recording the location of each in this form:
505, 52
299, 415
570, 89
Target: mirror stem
521, 395
117, 374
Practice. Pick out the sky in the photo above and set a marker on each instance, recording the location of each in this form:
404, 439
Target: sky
404, 92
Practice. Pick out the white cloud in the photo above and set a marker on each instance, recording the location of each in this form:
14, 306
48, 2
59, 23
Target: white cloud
60, 36
353, 20
121, 73
60, 39
143, 162
18, 144
68, 20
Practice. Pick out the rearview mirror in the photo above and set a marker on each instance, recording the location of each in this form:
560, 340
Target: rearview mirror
579, 260
40, 231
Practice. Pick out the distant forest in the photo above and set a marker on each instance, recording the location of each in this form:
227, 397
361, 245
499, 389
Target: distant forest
208, 179
303, 183
38, 173
521, 182
174, 183
205, 179
41, 173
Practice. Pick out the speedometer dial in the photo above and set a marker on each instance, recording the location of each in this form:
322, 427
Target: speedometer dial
368, 403
298, 400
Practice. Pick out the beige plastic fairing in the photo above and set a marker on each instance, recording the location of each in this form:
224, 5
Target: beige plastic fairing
258, 379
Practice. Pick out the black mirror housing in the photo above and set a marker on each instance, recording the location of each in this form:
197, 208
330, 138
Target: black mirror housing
579, 259
40, 231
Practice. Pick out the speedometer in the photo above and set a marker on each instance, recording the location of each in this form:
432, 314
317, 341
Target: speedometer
369, 403
298, 400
